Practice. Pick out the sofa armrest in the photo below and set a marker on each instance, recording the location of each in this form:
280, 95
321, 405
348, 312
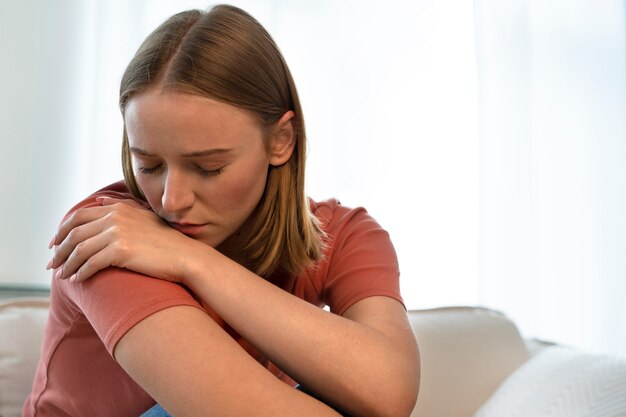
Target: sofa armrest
22, 322
562, 381
466, 353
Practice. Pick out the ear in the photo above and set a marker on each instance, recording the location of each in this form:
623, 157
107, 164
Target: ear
283, 140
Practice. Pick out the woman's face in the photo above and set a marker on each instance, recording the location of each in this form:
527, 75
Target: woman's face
202, 164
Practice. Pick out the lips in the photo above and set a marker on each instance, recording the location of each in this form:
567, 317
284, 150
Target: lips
188, 228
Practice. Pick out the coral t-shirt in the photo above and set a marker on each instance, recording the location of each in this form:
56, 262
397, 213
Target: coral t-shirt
77, 374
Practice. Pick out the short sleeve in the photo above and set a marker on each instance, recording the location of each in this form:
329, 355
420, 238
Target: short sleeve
361, 261
116, 299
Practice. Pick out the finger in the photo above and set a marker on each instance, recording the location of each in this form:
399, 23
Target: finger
74, 238
109, 201
96, 263
83, 255
78, 218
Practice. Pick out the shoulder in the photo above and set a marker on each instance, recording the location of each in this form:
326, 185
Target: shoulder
335, 218
350, 230
360, 260
114, 299
116, 190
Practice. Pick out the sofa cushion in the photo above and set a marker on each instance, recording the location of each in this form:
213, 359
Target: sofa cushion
22, 321
560, 381
466, 353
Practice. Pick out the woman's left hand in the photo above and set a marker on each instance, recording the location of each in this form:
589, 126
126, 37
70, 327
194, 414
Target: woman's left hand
120, 233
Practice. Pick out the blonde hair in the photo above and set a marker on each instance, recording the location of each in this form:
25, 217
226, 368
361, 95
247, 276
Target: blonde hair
225, 54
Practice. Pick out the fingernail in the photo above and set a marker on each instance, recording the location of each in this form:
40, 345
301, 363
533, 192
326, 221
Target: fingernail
51, 244
59, 273
73, 278
49, 264
100, 199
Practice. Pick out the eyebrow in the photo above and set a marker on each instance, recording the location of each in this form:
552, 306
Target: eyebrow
206, 152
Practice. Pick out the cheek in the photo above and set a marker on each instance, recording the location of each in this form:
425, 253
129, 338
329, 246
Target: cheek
151, 189
244, 190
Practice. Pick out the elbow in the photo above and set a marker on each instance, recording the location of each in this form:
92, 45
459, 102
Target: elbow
406, 404
407, 397
405, 387
400, 406
401, 403
397, 394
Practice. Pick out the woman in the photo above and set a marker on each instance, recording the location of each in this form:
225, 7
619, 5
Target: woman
198, 282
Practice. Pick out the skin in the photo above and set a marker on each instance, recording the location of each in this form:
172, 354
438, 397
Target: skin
364, 362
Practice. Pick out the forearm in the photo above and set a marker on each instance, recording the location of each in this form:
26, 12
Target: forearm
356, 366
185, 361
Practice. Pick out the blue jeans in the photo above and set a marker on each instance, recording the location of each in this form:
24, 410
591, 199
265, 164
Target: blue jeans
158, 411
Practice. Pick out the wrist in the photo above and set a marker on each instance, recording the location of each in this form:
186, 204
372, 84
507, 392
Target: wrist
196, 262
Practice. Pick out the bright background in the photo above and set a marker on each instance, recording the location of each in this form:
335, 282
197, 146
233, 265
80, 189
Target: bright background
488, 137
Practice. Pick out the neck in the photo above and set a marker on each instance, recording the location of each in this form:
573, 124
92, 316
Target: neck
232, 247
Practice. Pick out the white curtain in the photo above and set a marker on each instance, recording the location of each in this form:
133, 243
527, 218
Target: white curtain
488, 137
552, 82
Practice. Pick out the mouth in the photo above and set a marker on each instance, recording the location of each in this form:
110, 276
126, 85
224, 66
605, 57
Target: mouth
189, 229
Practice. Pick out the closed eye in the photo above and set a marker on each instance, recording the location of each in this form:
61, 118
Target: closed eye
148, 171
201, 171
210, 172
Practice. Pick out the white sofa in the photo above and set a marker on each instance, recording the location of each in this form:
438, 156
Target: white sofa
474, 364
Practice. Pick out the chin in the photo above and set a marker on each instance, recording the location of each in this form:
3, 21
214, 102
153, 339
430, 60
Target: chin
209, 241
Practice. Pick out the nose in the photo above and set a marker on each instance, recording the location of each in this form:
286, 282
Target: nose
178, 195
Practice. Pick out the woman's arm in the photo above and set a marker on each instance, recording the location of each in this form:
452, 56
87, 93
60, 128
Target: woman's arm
193, 368
365, 362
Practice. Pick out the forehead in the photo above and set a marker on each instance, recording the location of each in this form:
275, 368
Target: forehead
158, 117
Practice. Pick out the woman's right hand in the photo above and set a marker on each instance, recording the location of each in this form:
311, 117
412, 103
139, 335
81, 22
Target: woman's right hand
124, 234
